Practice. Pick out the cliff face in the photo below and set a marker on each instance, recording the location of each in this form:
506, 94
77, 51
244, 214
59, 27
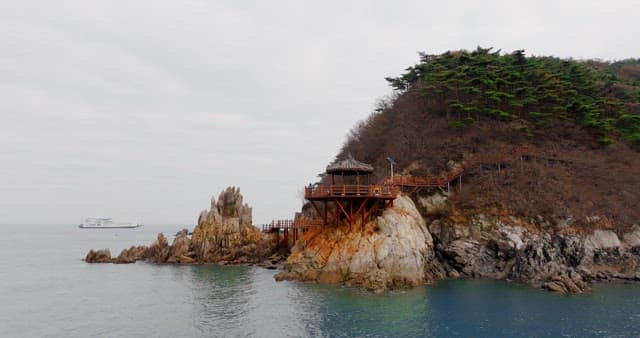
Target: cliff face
400, 249
395, 250
224, 234
560, 213
560, 257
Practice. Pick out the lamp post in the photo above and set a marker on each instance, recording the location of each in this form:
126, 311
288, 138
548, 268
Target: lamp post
391, 163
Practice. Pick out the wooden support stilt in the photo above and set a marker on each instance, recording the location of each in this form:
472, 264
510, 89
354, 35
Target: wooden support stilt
343, 211
361, 210
325, 212
286, 237
336, 216
350, 214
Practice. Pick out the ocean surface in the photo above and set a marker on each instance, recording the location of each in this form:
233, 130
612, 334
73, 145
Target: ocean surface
46, 290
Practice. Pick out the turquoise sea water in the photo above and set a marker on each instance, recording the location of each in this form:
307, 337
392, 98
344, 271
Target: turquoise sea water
47, 290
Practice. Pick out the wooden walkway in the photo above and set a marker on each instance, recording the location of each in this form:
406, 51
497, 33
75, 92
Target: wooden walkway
329, 191
444, 180
291, 230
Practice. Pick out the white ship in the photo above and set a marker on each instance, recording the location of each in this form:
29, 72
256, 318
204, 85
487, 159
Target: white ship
105, 223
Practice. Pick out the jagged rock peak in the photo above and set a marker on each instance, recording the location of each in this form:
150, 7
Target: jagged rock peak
228, 208
230, 205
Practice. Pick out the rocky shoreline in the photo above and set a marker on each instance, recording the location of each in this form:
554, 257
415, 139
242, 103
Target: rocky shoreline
495, 247
561, 257
224, 235
407, 245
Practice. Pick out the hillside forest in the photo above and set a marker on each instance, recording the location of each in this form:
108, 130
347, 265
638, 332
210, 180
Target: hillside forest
579, 118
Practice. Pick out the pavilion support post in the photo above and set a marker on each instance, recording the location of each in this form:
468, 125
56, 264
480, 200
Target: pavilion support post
366, 214
346, 214
286, 237
361, 209
325, 212
350, 214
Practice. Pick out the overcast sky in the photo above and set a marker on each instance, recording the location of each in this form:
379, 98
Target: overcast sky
142, 110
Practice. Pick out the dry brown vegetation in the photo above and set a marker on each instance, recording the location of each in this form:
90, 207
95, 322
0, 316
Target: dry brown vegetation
574, 175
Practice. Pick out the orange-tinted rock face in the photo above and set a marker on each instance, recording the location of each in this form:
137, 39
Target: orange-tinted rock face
391, 251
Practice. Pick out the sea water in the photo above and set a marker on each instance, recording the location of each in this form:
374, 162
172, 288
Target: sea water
46, 290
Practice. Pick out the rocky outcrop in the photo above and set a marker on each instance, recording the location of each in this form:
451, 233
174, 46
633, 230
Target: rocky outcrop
131, 255
395, 250
554, 258
98, 256
224, 235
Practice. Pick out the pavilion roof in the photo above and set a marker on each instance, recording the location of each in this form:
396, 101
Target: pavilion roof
349, 166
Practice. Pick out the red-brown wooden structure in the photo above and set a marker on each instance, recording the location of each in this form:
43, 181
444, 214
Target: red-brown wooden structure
348, 199
291, 230
444, 180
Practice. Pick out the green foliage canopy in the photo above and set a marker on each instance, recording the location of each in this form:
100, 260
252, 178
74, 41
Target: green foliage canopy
484, 84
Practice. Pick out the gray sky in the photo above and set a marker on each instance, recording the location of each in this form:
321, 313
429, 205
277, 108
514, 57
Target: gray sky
141, 110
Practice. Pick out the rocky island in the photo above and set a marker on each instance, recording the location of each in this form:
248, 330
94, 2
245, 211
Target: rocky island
224, 235
506, 167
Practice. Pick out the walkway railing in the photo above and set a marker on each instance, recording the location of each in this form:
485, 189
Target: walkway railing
289, 224
427, 181
329, 190
443, 180
291, 230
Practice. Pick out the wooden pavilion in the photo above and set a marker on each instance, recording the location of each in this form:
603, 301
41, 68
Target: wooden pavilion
350, 196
